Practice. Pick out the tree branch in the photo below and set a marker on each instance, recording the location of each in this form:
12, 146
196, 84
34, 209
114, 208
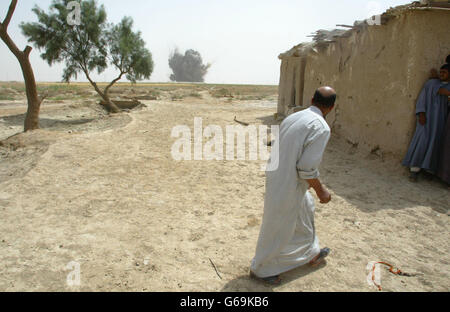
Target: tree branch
7, 20
10, 43
113, 82
82, 42
86, 72
27, 51
43, 98
65, 49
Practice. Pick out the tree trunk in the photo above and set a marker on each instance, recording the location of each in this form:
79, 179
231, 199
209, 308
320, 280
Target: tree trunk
104, 95
34, 103
110, 105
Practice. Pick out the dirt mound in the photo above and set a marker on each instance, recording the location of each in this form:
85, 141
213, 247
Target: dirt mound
124, 105
21, 152
31, 138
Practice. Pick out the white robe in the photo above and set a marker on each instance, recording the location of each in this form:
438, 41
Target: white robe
288, 238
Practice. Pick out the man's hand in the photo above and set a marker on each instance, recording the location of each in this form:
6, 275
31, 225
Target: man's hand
423, 119
324, 196
321, 191
443, 91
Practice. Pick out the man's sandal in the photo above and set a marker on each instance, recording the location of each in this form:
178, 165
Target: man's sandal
272, 280
323, 254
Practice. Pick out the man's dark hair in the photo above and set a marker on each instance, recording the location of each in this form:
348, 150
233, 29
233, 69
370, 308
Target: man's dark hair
446, 66
324, 101
448, 59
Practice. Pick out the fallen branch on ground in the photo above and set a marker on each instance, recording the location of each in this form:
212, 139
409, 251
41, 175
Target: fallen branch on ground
240, 122
214, 266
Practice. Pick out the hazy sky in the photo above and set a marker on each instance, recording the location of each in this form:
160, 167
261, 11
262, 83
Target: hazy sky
241, 38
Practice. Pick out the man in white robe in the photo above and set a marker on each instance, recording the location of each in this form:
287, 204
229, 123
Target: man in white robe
288, 237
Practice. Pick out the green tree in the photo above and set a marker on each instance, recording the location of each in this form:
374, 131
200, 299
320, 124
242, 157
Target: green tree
188, 67
90, 46
34, 102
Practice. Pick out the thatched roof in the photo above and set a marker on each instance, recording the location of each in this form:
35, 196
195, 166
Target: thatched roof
322, 37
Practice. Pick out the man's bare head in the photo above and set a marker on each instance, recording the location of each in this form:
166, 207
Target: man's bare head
324, 97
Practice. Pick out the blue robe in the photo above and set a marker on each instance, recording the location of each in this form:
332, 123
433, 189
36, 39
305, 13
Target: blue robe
444, 168
425, 148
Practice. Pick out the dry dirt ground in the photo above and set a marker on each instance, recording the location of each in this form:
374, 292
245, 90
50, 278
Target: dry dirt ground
106, 193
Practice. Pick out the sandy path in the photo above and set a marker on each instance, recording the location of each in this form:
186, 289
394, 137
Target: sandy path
136, 220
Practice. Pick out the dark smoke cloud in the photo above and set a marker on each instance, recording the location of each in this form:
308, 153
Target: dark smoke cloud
188, 67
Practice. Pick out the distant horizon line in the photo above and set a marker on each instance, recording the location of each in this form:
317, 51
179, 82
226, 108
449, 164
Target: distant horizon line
128, 82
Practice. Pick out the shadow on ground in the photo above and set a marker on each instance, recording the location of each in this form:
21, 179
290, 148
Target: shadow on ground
269, 120
372, 183
245, 283
45, 123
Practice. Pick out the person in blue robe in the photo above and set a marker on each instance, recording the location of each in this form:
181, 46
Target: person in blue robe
431, 111
444, 167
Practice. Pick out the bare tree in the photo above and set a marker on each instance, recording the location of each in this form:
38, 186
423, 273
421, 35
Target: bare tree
34, 102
